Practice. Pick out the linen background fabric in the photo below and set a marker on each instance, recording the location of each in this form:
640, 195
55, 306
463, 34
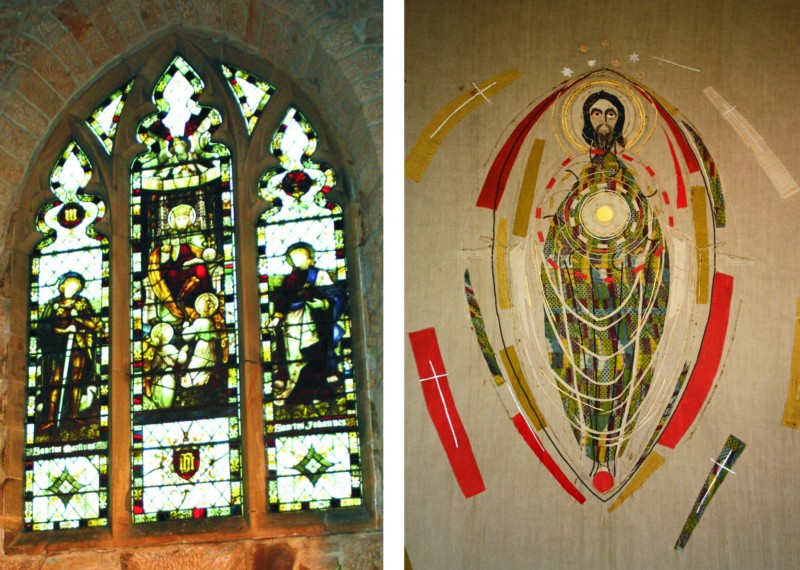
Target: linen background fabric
748, 52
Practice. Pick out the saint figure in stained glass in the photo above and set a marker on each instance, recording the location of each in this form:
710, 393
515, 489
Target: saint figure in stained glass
307, 305
310, 401
207, 343
69, 363
160, 357
180, 266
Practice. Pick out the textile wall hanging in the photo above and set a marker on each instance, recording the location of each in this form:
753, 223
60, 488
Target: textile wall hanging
603, 290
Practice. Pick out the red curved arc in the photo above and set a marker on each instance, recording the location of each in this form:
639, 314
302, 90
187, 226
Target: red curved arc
443, 411
495, 183
533, 442
681, 198
680, 138
708, 361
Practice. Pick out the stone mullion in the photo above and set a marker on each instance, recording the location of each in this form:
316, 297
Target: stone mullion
119, 476
255, 472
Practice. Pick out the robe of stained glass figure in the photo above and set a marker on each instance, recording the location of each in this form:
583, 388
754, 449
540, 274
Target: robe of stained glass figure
185, 370
67, 393
312, 439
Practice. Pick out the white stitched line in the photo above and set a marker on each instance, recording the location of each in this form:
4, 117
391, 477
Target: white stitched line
662, 60
725, 468
713, 481
479, 92
450, 116
444, 404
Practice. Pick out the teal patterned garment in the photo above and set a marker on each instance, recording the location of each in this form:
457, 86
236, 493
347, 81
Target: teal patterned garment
731, 451
606, 289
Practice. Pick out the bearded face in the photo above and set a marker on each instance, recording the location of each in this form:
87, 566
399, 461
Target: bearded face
604, 115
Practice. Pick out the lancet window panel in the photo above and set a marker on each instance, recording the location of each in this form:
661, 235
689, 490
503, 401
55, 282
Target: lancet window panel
310, 402
66, 432
185, 373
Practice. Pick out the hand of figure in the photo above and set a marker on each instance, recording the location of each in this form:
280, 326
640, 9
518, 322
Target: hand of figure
274, 322
71, 328
317, 303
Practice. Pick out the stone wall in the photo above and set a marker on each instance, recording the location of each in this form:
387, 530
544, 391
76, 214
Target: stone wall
331, 552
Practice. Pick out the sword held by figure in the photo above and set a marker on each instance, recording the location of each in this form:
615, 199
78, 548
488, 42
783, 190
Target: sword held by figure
66, 372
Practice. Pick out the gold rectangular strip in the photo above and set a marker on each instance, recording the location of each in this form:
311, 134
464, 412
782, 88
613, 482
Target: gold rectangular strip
519, 383
701, 238
653, 462
500, 258
791, 412
522, 216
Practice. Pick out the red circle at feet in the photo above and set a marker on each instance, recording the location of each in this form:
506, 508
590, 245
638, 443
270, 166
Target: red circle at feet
603, 481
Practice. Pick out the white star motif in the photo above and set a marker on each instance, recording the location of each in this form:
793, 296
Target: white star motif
591, 62
567, 72
634, 57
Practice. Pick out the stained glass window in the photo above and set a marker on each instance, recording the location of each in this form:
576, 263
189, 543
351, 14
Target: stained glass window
66, 435
310, 402
185, 403
103, 120
185, 383
252, 94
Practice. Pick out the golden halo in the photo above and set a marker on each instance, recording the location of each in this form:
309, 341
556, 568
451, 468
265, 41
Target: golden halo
636, 128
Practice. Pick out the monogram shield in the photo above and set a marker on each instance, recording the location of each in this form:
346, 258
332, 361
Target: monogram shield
186, 461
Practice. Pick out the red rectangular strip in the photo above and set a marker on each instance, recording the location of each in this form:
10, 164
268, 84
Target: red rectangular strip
551, 183
533, 442
567, 161
628, 158
707, 362
443, 412
495, 183
538, 213
650, 171
666, 198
